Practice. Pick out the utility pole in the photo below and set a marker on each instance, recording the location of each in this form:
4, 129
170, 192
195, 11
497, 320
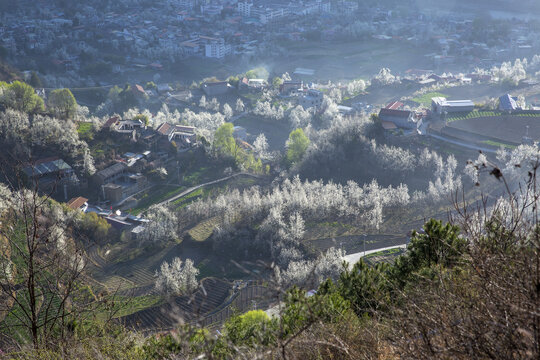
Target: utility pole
365, 235
178, 167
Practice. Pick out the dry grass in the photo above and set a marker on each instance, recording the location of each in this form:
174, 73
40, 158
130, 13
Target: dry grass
203, 230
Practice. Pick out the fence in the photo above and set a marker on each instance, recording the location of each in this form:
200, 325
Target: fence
251, 297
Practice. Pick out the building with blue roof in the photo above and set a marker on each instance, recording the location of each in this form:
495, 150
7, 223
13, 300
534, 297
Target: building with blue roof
50, 170
508, 103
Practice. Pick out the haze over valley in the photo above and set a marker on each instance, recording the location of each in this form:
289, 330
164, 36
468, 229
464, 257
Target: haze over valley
231, 179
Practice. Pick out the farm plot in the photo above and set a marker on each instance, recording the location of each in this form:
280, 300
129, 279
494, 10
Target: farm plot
181, 308
506, 128
425, 100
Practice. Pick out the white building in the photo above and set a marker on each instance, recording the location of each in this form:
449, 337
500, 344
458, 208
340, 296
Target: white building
440, 105
324, 6
182, 3
211, 10
313, 99
267, 14
244, 8
214, 47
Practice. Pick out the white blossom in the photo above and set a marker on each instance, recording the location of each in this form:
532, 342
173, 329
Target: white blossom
177, 278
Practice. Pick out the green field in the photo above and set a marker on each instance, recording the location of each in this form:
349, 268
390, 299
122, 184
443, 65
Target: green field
425, 100
480, 114
126, 305
499, 144
84, 129
156, 195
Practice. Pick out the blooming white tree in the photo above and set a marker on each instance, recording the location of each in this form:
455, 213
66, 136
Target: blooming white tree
395, 158
265, 109
385, 77
162, 226
311, 274
202, 102
177, 277
6, 198
213, 105
511, 73
260, 146
335, 95
299, 118
47, 131
227, 112
331, 111
12, 125
296, 226
355, 87
205, 123
239, 105
446, 182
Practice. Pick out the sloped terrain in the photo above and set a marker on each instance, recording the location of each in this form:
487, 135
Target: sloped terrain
213, 293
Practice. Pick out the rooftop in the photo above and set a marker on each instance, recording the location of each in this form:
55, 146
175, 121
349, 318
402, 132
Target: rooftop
111, 170
395, 113
507, 102
395, 105
453, 103
164, 129
46, 166
76, 203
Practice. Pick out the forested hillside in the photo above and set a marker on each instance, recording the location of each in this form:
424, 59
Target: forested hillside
256, 179
7, 73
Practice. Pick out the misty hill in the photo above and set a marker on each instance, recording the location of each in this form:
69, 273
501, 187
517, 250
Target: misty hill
8, 73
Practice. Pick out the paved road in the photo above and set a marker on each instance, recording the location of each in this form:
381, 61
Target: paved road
354, 258
191, 189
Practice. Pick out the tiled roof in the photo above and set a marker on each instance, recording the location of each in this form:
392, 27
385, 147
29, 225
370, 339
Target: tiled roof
164, 129
111, 121
395, 105
184, 129
111, 170
395, 113
76, 203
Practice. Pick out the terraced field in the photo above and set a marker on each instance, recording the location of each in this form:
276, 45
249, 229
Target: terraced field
209, 307
506, 128
204, 229
214, 292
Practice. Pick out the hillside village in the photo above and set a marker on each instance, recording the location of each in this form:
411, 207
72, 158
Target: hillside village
153, 146
239, 178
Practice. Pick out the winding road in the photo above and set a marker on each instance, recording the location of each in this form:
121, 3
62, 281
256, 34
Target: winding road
193, 188
354, 258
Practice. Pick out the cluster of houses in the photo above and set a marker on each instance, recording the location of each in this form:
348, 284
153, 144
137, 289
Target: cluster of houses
52, 174
152, 36
181, 137
194, 28
396, 116
133, 225
126, 175
264, 12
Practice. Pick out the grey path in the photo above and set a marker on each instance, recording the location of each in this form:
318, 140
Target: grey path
191, 189
351, 259
354, 258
